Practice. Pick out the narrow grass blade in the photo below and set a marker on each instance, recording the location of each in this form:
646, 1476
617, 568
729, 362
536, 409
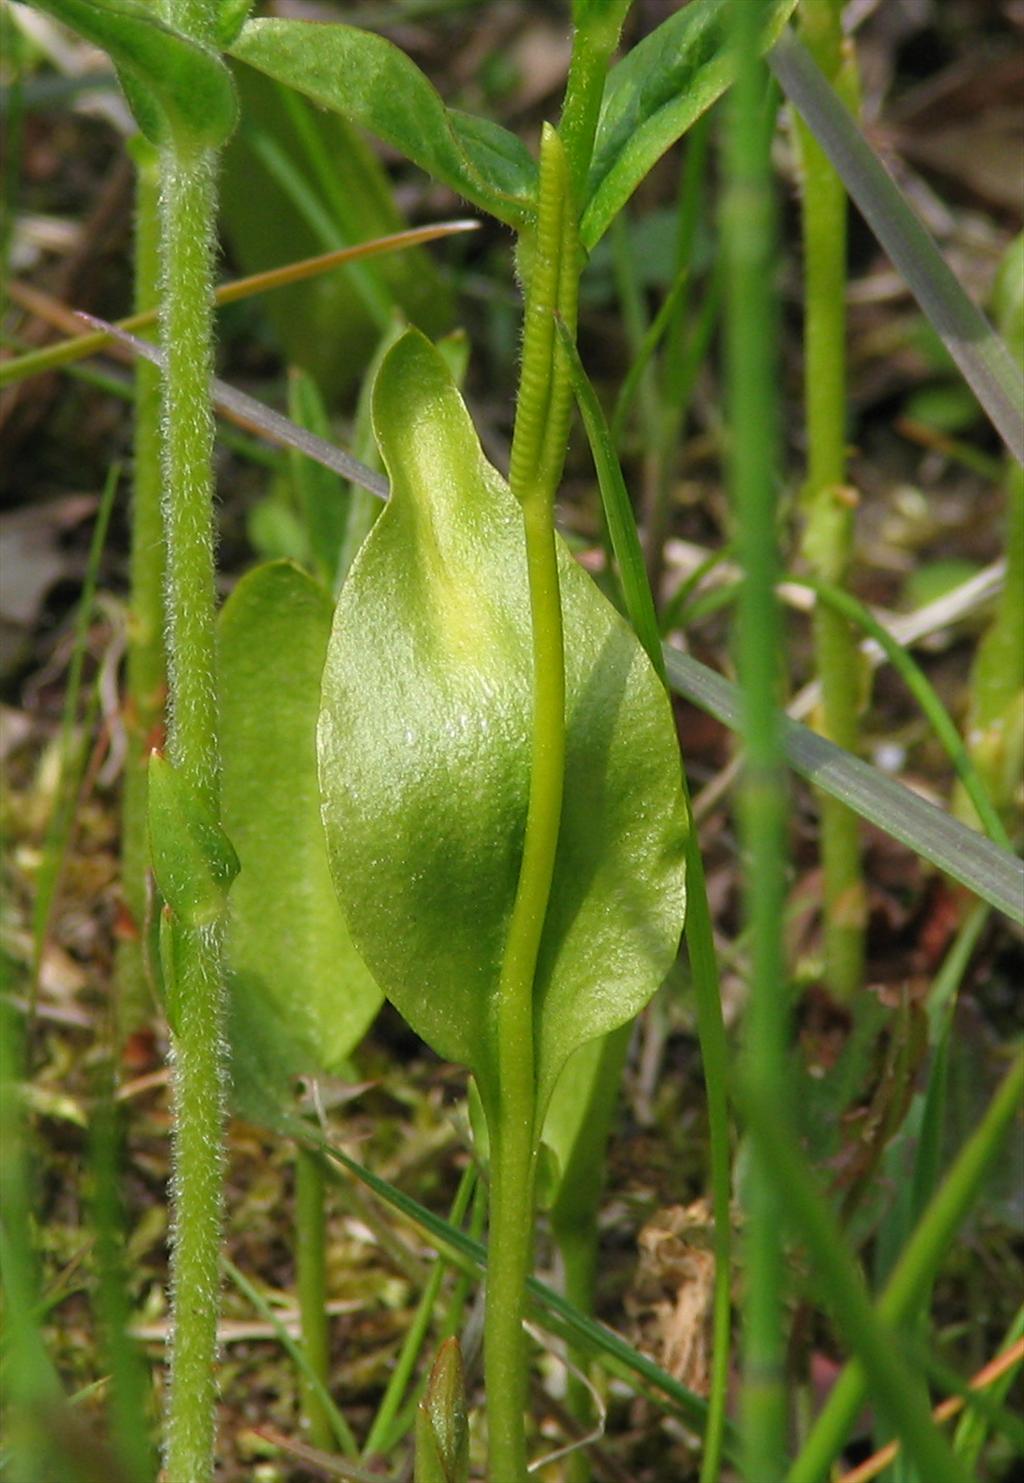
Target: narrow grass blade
296, 1353
652, 338
972, 342
989, 872
251, 414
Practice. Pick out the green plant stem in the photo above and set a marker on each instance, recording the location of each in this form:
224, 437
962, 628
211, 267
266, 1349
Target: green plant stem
597, 26
188, 201
748, 235
828, 534
538, 452
311, 1282
915, 1269
146, 675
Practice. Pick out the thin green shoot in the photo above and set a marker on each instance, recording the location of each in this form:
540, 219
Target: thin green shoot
924, 693
299, 1358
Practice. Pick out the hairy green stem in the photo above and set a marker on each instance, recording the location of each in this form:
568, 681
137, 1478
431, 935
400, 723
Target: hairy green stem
187, 205
538, 452
146, 677
748, 232
828, 535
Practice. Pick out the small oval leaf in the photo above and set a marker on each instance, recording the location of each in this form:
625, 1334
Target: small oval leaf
425, 755
193, 859
176, 87
298, 985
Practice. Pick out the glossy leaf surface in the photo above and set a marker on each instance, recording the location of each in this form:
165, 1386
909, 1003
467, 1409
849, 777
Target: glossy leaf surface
372, 83
176, 87
425, 755
442, 1429
654, 95
299, 986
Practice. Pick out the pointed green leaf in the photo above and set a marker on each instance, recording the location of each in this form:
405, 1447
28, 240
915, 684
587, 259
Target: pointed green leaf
370, 82
176, 87
193, 859
298, 984
425, 755
657, 92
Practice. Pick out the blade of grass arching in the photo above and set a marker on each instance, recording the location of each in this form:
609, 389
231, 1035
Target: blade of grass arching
989, 872
974, 345
383, 1433
973, 1426
747, 224
252, 414
62, 815
470, 1255
918, 1263
917, 682
51, 357
676, 611
698, 927
297, 1354
842, 1291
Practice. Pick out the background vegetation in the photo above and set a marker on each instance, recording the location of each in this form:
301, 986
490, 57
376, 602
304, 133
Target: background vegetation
891, 487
